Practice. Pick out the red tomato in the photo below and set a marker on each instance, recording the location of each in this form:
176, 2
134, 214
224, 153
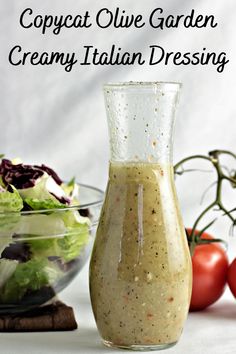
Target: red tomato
210, 265
231, 277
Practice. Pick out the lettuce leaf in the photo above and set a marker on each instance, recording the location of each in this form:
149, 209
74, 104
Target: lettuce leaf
39, 191
73, 242
8, 223
29, 276
40, 225
1, 182
45, 189
65, 245
37, 204
7, 268
10, 201
69, 187
77, 235
71, 190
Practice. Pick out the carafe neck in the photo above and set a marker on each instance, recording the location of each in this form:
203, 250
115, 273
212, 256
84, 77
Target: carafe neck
141, 120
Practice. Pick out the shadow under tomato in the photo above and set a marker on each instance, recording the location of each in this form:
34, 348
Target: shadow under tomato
223, 310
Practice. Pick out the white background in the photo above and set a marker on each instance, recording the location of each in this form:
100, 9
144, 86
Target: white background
58, 118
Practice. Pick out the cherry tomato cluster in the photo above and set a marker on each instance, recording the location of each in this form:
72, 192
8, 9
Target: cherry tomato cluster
211, 272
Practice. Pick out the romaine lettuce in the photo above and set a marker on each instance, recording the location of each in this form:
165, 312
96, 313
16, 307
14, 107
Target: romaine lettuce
73, 242
40, 190
65, 244
10, 201
29, 276
8, 223
37, 204
7, 268
1, 183
40, 225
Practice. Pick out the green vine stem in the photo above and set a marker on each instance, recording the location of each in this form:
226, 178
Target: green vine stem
213, 158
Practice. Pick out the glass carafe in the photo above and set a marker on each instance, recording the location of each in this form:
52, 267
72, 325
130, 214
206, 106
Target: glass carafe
140, 270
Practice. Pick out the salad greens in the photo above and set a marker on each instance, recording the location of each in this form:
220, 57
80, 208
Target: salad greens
37, 249
29, 276
10, 201
37, 204
7, 268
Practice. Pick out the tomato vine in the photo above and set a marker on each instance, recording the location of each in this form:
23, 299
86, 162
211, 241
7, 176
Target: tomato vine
222, 174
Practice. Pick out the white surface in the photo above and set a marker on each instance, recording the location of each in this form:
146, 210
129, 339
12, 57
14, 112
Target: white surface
208, 332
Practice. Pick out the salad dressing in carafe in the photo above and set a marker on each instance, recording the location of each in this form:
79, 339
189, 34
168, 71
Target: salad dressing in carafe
140, 270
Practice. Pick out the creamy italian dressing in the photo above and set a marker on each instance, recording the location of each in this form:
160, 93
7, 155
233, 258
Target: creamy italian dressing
140, 272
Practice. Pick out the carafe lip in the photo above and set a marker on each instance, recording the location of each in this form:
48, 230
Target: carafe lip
149, 85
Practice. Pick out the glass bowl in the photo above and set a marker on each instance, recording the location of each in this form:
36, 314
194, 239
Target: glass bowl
43, 250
